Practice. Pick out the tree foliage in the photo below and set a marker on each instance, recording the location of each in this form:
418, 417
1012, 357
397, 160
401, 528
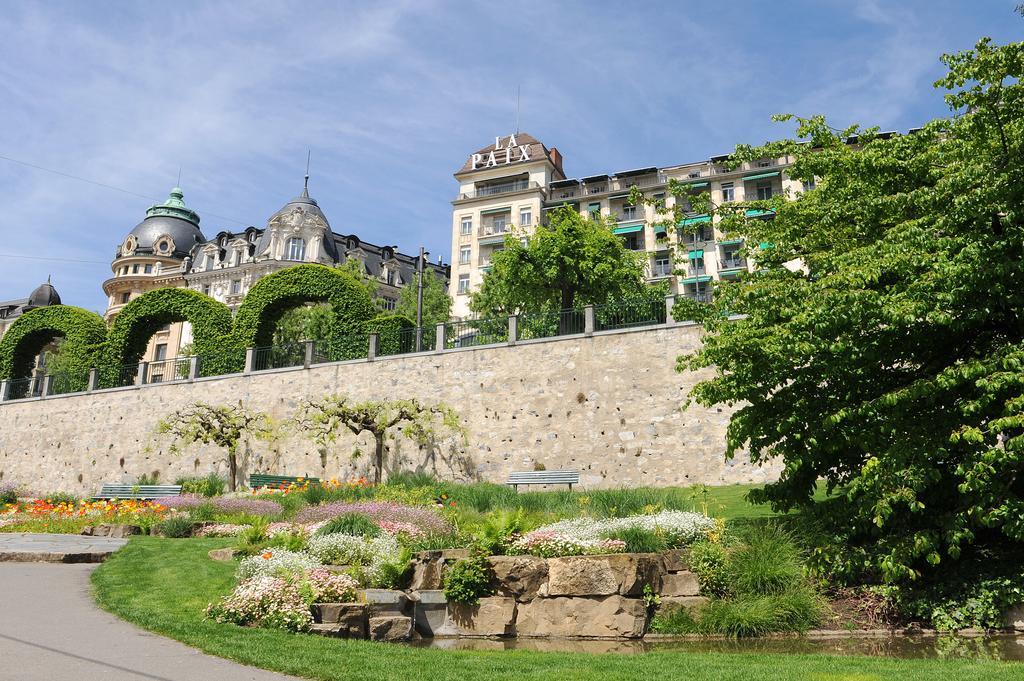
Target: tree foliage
228, 426
83, 335
437, 304
571, 261
890, 365
322, 421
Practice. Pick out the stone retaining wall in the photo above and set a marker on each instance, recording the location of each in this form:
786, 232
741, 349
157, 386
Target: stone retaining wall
610, 405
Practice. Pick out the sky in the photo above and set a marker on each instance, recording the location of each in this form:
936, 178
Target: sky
391, 97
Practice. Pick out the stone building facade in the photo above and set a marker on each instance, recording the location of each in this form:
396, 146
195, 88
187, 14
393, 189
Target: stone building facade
610, 405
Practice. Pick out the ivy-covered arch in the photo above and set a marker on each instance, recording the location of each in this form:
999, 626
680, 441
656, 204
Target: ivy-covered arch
275, 294
83, 332
137, 321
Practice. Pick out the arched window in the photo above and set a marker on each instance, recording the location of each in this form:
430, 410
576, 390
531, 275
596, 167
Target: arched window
296, 249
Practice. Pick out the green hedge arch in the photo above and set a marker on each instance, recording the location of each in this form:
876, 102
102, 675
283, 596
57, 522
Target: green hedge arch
137, 321
84, 333
273, 295
390, 337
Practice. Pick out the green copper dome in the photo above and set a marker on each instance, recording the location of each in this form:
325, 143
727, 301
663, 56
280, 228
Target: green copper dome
174, 207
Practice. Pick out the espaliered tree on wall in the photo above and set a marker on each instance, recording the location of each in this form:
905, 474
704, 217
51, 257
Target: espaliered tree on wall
216, 338
889, 366
322, 421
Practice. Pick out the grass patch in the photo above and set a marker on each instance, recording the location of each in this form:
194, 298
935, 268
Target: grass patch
163, 585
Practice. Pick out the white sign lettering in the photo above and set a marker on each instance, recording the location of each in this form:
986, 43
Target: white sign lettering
511, 147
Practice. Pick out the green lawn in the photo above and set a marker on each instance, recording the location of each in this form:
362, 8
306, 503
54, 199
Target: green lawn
164, 584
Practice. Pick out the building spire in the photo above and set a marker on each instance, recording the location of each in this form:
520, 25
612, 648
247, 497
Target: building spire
305, 184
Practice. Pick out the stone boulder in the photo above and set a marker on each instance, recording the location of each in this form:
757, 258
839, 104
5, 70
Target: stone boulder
341, 620
1015, 617
390, 628
609, 617
493, 616
520, 577
680, 584
224, 554
430, 611
676, 560
623, 573
384, 601
113, 531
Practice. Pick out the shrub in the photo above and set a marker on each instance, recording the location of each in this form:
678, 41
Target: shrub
767, 563
293, 541
468, 580
221, 530
203, 513
796, 610
640, 539
176, 526
264, 601
679, 528
346, 549
707, 561
211, 485
324, 586
355, 524
58, 498
276, 562
8, 493
424, 518
260, 507
499, 530
551, 544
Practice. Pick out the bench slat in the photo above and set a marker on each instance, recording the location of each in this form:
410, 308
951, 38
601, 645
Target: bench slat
120, 491
517, 478
263, 480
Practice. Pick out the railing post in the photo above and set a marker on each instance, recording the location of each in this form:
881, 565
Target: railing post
250, 360
439, 346
193, 367
513, 329
588, 320
4, 387
419, 339
47, 382
94, 379
371, 352
308, 359
32, 385
141, 377
670, 301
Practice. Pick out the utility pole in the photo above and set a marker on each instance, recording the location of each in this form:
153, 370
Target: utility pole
419, 300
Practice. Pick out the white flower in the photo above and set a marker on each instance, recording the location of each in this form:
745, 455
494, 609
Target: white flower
272, 562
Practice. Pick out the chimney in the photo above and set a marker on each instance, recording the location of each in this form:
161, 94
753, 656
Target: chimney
556, 158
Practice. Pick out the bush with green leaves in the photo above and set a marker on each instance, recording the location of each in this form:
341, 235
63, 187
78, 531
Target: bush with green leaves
83, 332
640, 539
8, 493
210, 485
355, 524
176, 526
468, 580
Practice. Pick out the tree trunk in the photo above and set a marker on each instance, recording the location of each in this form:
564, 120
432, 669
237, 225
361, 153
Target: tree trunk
565, 318
232, 472
378, 458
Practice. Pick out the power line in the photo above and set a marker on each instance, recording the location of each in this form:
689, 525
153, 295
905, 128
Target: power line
40, 257
112, 187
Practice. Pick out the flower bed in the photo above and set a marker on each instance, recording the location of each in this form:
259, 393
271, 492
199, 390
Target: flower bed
263, 507
548, 544
276, 561
425, 519
680, 528
39, 515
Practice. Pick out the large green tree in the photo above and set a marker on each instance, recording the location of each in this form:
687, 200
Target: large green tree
437, 304
890, 366
571, 261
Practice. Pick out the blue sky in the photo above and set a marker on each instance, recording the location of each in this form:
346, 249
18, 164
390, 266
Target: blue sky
391, 98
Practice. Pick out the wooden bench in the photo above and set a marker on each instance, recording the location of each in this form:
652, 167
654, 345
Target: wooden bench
257, 480
115, 491
544, 478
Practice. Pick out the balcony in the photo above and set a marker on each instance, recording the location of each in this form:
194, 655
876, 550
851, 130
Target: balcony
495, 228
661, 269
496, 189
625, 183
732, 264
629, 214
699, 296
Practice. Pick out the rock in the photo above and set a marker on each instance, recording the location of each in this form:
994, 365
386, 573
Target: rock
114, 531
519, 576
348, 619
426, 575
676, 560
622, 573
689, 602
1015, 617
493, 616
225, 554
384, 601
430, 610
680, 584
390, 628
609, 617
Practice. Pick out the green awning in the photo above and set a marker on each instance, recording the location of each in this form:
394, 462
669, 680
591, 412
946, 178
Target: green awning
765, 245
490, 211
493, 239
734, 272
660, 229
730, 242
762, 176
751, 213
696, 220
696, 280
618, 195
628, 229
695, 255
696, 185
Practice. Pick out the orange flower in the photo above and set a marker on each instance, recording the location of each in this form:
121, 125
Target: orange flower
268, 555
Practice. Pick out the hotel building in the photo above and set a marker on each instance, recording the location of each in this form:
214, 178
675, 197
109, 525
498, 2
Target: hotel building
507, 188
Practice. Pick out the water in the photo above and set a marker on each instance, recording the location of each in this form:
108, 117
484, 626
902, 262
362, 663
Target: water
993, 647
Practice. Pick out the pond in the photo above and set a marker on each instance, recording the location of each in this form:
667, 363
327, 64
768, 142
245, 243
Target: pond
992, 647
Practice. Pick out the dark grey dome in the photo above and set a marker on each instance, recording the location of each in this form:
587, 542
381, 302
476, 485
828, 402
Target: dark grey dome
171, 219
309, 206
44, 295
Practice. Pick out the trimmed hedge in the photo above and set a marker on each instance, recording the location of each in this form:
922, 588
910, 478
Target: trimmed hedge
388, 327
84, 333
273, 295
136, 323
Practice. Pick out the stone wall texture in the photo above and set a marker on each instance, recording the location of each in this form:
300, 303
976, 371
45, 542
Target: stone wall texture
611, 406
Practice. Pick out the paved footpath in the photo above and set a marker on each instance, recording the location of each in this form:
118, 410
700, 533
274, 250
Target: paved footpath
50, 628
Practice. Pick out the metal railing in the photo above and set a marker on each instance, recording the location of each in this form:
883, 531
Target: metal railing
403, 341
21, 388
628, 314
550, 324
278, 356
732, 263
126, 374
473, 332
504, 188
163, 370
352, 346
68, 382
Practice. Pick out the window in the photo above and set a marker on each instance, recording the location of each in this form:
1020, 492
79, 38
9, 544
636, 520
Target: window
697, 266
467, 225
764, 191
166, 328
628, 212
148, 269
236, 286
463, 283
498, 223
765, 163
135, 269
464, 255
160, 352
728, 192
731, 258
525, 241
209, 262
634, 241
595, 210
388, 303
296, 248
662, 266
206, 289
809, 185
389, 276
125, 297
525, 217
